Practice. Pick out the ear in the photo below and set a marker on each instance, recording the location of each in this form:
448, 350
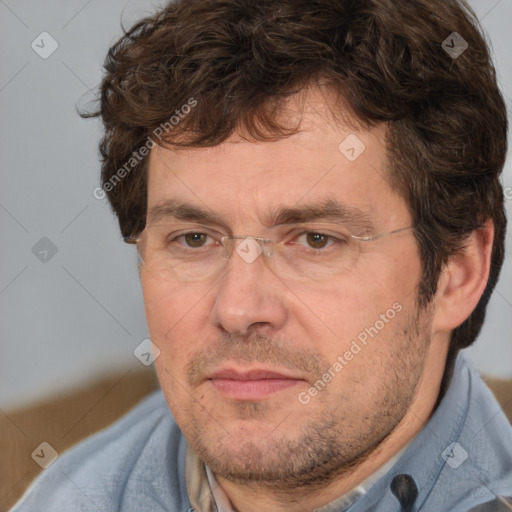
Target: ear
463, 280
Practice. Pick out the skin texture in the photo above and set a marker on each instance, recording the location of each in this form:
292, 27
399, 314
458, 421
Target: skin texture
278, 453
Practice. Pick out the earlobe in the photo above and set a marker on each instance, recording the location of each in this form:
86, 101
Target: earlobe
464, 279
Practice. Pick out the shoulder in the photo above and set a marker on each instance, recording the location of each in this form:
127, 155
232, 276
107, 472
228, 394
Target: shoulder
479, 469
140, 457
487, 434
460, 461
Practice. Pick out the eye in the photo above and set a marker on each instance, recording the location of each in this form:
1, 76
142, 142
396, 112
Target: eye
193, 239
315, 240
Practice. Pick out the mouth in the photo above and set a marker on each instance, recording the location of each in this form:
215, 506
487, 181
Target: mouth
252, 385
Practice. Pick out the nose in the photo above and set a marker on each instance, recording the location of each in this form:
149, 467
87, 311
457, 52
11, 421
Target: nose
249, 294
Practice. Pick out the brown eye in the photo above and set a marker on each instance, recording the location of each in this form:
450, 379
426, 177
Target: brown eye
317, 240
195, 239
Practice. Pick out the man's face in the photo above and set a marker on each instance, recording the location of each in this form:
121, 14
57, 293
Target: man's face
287, 381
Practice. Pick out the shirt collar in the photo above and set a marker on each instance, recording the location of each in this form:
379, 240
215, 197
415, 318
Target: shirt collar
206, 494
338, 505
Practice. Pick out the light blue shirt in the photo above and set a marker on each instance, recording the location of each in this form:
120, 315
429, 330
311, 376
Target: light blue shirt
460, 461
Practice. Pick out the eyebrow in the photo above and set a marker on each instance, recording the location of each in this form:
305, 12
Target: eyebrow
329, 210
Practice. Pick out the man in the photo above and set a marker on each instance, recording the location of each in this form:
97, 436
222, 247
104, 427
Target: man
313, 189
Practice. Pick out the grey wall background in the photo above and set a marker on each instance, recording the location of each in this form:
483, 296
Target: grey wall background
70, 301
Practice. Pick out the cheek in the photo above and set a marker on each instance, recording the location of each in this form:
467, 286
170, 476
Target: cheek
361, 306
165, 304
172, 316
160, 304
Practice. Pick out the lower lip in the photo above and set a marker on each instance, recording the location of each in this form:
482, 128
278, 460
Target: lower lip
252, 389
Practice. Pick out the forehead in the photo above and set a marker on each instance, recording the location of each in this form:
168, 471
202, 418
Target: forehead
243, 180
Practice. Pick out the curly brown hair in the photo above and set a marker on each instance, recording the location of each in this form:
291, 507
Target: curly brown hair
240, 59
